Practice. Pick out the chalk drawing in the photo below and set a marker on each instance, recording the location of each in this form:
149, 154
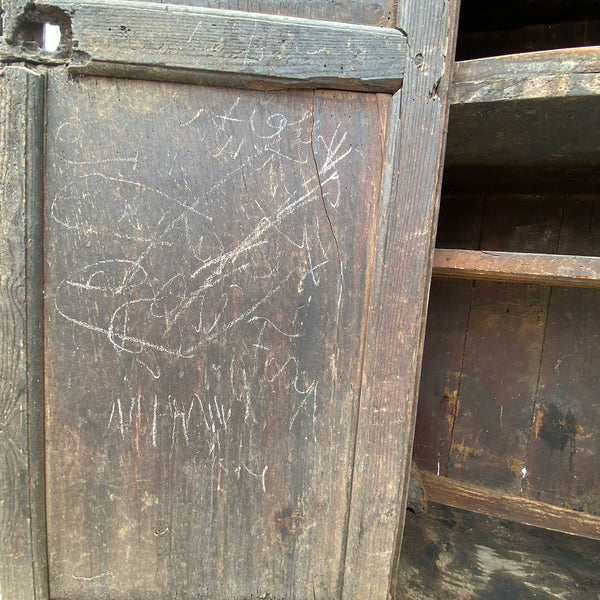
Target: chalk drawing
231, 255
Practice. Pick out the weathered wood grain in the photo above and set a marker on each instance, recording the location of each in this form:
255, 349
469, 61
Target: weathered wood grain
504, 343
565, 436
447, 318
231, 48
22, 519
459, 225
379, 13
548, 74
207, 263
562, 461
512, 508
548, 269
452, 554
398, 299
498, 384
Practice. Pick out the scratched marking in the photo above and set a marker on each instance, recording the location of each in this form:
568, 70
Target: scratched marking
187, 265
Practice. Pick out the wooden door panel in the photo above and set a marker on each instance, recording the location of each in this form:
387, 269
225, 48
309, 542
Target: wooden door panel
208, 253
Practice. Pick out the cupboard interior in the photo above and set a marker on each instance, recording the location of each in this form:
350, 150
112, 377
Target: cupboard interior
496, 27
508, 406
508, 422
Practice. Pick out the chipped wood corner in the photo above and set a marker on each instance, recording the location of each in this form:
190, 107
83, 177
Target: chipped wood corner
23, 40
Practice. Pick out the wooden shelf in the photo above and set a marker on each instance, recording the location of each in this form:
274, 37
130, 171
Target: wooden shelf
443, 490
525, 121
549, 269
533, 75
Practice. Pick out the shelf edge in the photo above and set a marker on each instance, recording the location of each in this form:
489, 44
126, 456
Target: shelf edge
545, 269
533, 75
446, 491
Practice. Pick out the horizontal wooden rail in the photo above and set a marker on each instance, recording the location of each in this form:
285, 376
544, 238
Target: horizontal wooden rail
443, 490
548, 269
546, 74
218, 47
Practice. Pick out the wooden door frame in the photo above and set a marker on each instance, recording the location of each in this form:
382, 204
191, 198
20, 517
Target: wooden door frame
417, 124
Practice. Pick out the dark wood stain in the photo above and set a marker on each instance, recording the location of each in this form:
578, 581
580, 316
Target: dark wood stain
451, 554
502, 353
556, 428
525, 422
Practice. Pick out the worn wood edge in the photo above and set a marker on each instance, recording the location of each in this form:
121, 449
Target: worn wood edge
30, 171
548, 269
387, 193
443, 490
34, 210
371, 558
219, 47
10, 11
441, 92
544, 74
565, 60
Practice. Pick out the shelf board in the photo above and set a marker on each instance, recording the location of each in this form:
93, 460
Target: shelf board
549, 269
532, 75
450, 492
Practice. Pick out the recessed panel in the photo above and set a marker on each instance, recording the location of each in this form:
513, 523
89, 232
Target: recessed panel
207, 260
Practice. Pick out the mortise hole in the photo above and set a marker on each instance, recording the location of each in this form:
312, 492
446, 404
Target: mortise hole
45, 29
51, 37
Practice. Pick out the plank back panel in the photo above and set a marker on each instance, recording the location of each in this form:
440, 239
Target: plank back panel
207, 261
503, 349
459, 226
565, 439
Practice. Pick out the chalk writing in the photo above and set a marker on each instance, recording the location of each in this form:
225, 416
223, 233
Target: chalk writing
189, 264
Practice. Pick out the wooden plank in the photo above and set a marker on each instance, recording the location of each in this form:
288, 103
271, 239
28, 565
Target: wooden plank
512, 508
445, 335
544, 139
547, 269
207, 267
580, 230
547, 74
459, 225
459, 555
498, 383
398, 301
22, 517
504, 344
565, 436
230, 48
378, 13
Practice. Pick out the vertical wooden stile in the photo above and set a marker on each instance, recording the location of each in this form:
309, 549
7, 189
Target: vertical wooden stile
23, 571
408, 213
